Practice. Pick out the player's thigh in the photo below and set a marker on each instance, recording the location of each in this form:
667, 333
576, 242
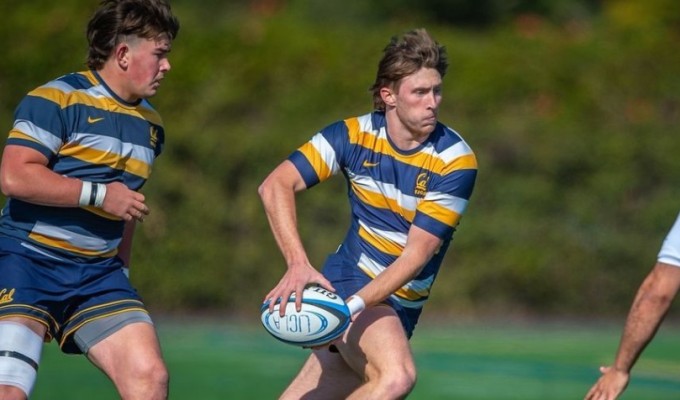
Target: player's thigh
21, 342
131, 350
35, 326
376, 344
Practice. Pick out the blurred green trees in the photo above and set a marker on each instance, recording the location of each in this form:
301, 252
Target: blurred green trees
571, 107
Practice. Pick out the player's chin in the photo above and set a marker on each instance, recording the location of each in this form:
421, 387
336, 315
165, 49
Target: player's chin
152, 90
428, 128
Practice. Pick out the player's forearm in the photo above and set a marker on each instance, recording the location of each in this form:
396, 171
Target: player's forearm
420, 247
389, 281
36, 184
644, 319
404, 269
279, 205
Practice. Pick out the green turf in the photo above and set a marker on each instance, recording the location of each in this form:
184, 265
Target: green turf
493, 361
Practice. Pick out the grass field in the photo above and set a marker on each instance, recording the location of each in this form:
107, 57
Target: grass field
221, 360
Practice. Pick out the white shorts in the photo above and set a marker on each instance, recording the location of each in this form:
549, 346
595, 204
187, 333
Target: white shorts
670, 250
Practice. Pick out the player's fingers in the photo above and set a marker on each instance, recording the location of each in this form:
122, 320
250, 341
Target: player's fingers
284, 299
272, 303
138, 215
270, 298
590, 395
298, 298
267, 297
139, 197
325, 283
594, 394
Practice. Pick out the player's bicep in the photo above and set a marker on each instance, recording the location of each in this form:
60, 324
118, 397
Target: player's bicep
17, 163
19, 156
285, 175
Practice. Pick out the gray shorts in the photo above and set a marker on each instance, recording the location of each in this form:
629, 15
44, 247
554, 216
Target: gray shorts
97, 330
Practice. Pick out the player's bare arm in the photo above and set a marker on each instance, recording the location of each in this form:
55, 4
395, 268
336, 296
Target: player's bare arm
25, 176
651, 303
420, 247
278, 196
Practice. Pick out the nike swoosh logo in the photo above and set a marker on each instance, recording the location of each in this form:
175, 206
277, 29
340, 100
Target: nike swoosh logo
93, 120
369, 164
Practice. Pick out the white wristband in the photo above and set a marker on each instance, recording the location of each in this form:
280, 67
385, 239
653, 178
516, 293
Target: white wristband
85, 192
355, 304
101, 193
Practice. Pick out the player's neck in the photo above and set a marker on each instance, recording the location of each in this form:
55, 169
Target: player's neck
116, 81
402, 137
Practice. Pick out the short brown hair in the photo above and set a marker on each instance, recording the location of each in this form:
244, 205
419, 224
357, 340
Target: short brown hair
404, 56
115, 19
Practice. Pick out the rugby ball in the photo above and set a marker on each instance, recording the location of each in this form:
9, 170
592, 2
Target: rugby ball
324, 317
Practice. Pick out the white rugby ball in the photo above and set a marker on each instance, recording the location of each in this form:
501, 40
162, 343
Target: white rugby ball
324, 317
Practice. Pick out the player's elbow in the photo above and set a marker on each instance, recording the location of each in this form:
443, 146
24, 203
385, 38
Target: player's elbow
659, 299
274, 187
265, 189
10, 184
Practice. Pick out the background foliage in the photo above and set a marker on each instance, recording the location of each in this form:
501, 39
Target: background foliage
571, 106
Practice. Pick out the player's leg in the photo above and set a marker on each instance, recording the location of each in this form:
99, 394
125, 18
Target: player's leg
130, 357
377, 347
324, 376
375, 362
21, 341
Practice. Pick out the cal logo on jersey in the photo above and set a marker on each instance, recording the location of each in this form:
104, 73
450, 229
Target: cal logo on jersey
153, 136
421, 184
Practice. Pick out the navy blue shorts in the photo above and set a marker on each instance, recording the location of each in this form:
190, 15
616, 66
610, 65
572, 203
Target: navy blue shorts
347, 279
60, 294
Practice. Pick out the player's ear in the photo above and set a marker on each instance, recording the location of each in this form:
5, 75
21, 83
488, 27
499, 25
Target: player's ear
121, 54
388, 96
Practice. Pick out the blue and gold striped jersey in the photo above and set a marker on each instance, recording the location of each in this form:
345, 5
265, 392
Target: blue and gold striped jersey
389, 190
89, 133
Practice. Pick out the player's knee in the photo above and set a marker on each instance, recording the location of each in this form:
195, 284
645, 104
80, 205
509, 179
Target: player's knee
153, 373
11, 393
146, 379
399, 382
20, 350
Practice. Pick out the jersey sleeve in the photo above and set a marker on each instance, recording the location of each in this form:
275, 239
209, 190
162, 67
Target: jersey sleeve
321, 157
39, 123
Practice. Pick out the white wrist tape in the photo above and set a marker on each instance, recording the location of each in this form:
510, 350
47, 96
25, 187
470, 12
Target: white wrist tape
101, 193
85, 193
92, 194
355, 304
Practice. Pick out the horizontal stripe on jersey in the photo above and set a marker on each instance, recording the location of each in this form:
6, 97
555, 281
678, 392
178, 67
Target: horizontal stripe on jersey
86, 132
391, 189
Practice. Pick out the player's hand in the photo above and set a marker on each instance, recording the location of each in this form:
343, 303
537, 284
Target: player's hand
124, 203
296, 278
610, 385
